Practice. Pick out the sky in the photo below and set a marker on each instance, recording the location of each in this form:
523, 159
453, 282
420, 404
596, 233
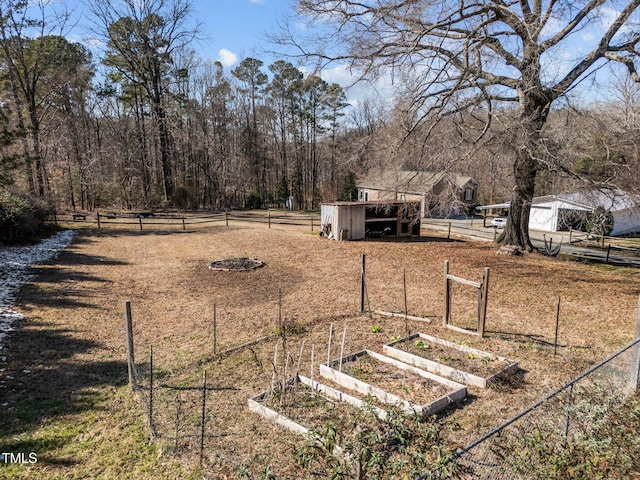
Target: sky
235, 29
232, 30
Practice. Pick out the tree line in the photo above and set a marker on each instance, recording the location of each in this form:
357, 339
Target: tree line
149, 124
146, 123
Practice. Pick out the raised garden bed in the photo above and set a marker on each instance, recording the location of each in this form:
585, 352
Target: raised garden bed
393, 382
308, 405
458, 362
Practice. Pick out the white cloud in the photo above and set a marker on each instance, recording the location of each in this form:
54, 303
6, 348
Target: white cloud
257, 1
227, 58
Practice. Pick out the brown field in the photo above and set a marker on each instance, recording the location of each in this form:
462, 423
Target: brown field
64, 391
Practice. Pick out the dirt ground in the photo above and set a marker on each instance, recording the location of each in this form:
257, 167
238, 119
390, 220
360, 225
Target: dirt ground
67, 359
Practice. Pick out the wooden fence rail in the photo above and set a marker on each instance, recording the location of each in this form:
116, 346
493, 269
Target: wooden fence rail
105, 220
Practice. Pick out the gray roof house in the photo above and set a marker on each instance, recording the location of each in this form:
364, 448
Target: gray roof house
439, 193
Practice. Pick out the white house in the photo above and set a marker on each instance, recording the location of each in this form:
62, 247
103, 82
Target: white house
554, 213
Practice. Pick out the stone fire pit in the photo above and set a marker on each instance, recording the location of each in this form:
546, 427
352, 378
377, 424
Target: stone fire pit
241, 264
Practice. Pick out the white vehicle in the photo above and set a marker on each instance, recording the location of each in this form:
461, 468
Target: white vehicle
499, 222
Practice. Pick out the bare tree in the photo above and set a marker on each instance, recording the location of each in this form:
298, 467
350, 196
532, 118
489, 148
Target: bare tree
466, 54
143, 37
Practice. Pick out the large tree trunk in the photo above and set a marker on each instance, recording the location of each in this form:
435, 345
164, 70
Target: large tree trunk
516, 231
525, 167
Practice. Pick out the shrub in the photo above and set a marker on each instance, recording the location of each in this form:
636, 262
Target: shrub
600, 222
254, 200
21, 217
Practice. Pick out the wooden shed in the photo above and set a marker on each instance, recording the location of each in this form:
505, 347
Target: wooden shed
359, 220
343, 220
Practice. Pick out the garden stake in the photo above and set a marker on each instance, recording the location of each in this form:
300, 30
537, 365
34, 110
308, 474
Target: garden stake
329, 346
344, 334
313, 348
178, 404
299, 358
406, 310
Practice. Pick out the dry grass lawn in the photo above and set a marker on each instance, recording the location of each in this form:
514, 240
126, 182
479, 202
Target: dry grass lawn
64, 391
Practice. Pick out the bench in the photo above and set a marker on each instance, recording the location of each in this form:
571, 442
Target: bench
79, 216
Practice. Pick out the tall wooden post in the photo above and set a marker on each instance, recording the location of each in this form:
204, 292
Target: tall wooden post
447, 295
483, 308
129, 333
634, 382
98, 218
362, 282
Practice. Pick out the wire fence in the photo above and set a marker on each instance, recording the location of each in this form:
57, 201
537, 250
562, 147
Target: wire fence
563, 435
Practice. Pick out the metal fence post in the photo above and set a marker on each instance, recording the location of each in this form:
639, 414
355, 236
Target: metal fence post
634, 381
129, 332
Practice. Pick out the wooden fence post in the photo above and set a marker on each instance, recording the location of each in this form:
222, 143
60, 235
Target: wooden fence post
184, 227
226, 217
447, 295
483, 307
140, 221
362, 281
449, 231
312, 223
129, 332
269, 218
98, 218
635, 358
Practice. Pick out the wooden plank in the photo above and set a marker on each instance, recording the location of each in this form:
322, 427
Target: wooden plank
409, 368
366, 389
458, 391
445, 370
461, 330
464, 281
275, 417
334, 394
402, 315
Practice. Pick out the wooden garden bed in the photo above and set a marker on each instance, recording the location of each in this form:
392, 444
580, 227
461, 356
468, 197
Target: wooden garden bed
459, 362
393, 382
